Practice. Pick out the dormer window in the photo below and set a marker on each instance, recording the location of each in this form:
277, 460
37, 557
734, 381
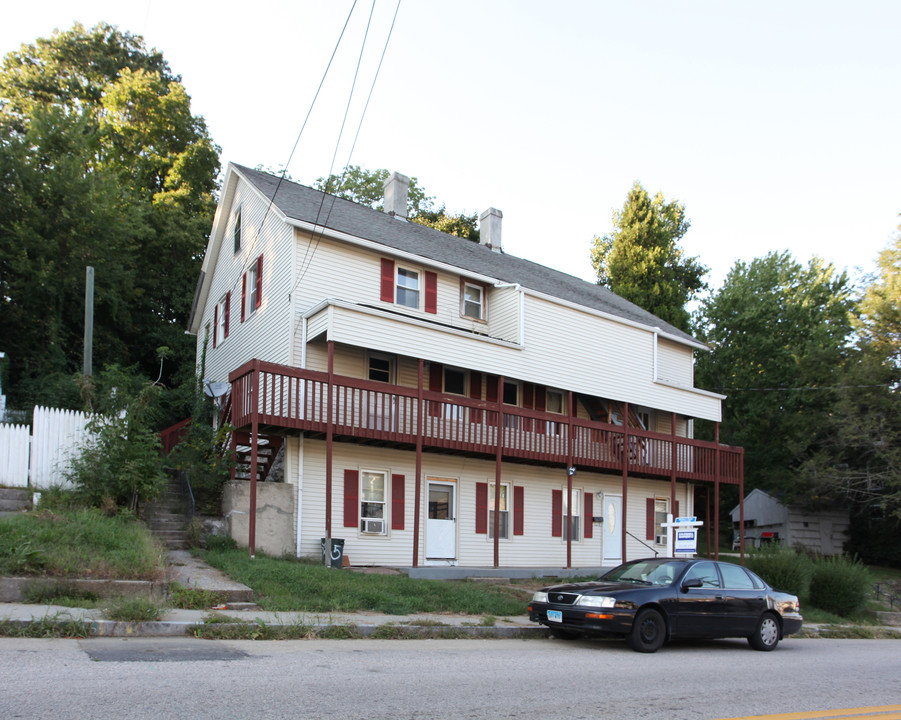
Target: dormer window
472, 301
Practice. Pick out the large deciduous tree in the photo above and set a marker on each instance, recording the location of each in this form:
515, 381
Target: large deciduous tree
103, 163
367, 188
640, 259
779, 335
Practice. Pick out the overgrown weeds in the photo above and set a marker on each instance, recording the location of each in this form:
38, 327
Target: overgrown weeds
291, 585
51, 626
132, 609
194, 598
78, 543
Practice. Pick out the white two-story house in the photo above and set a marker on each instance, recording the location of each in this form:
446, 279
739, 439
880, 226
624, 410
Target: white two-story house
438, 400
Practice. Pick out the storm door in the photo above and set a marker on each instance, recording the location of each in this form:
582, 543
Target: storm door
441, 523
613, 530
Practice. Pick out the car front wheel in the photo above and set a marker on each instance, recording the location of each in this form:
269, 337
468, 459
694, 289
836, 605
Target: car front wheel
648, 631
766, 636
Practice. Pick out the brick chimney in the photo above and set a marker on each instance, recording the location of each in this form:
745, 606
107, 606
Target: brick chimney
396, 187
490, 229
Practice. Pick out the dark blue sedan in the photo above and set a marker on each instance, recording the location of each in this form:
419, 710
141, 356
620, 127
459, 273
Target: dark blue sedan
651, 601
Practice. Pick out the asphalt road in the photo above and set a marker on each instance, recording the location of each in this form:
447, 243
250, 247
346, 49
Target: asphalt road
188, 678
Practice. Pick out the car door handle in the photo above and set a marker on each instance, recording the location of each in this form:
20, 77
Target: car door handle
720, 597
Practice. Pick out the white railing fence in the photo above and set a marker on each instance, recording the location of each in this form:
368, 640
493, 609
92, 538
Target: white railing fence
38, 457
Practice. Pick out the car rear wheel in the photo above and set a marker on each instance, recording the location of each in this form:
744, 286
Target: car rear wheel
648, 631
766, 636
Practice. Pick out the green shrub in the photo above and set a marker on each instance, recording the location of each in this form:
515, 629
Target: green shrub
783, 568
839, 585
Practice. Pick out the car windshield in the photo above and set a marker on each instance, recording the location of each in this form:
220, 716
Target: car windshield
645, 572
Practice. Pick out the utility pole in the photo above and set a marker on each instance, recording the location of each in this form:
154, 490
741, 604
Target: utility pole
88, 320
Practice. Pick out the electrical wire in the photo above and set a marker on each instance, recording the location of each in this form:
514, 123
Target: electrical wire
314, 242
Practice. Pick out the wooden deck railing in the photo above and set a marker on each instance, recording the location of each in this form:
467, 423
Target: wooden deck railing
299, 399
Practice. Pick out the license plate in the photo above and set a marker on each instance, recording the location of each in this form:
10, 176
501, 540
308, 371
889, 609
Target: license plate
555, 616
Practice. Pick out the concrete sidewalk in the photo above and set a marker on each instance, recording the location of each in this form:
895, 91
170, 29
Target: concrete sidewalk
191, 572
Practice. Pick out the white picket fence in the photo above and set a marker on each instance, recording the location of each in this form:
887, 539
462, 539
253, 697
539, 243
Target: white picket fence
38, 456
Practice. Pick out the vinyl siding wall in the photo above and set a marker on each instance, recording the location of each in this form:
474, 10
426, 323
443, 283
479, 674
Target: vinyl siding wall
536, 547
264, 333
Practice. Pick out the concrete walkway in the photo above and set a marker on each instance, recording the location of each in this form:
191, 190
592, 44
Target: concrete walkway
192, 573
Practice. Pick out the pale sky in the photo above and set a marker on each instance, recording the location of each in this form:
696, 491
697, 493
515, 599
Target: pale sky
775, 123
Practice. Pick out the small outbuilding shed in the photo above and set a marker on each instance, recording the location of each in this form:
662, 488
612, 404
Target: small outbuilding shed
767, 518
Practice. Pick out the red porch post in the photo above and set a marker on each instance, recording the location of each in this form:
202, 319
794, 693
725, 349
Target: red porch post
625, 474
741, 504
716, 495
499, 452
329, 435
420, 416
570, 468
254, 441
673, 466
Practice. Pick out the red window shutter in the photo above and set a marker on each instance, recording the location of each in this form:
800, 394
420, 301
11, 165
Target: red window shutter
431, 292
588, 509
397, 502
387, 280
556, 513
540, 398
243, 296
259, 300
228, 311
482, 508
491, 389
351, 498
528, 402
436, 384
475, 393
215, 323
676, 513
649, 530
518, 509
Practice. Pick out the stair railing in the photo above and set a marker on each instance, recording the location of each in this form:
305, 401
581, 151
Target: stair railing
656, 552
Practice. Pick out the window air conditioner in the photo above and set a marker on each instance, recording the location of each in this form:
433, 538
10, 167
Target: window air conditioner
374, 526
660, 539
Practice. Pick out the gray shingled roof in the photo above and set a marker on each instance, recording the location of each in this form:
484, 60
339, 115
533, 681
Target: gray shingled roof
306, 204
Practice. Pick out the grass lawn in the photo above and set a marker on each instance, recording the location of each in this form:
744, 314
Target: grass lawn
79, 543
287, 584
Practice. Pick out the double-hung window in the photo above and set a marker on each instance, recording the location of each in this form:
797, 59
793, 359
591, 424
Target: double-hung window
473, 301
661, 510
554, 402
503, 510
575, 518
407, 288
252, 289
220, 331
372, 502
236, 230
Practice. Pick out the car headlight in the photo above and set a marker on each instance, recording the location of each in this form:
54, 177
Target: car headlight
539, 597
599, 601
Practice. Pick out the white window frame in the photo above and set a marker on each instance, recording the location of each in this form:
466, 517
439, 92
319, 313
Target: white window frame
553, 428
506, 499
373, 504
237, 234
480, 305
576, 519
403, 289
661, 510
219, 330
251, 289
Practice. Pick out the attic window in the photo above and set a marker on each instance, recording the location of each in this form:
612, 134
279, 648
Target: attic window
236, 230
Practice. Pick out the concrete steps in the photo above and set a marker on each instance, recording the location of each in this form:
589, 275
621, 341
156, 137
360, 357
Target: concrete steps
14, 501
167, 517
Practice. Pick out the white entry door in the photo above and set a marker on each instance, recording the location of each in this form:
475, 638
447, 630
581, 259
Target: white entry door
441, 523
613, 530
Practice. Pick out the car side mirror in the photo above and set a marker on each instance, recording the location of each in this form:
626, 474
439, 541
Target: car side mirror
692, 583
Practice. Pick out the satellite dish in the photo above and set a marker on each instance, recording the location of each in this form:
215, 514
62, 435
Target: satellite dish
214, 389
